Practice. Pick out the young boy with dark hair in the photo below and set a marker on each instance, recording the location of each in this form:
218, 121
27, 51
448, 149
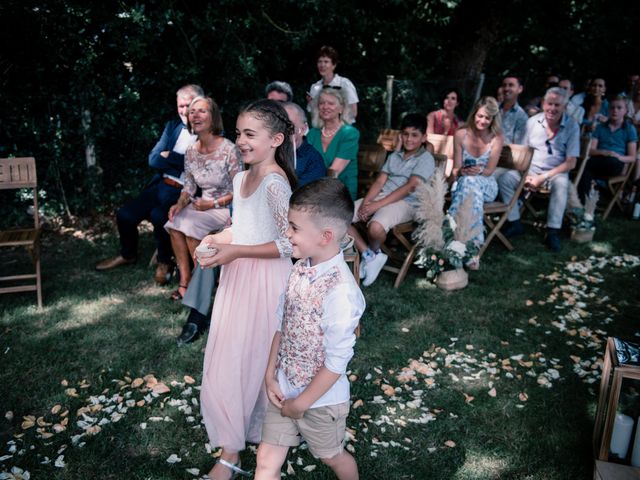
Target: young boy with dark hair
319, 311
391, 199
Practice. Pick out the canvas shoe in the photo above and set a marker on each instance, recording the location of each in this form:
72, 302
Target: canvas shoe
373, 268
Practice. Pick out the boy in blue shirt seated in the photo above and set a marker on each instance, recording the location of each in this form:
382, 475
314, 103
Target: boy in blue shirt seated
391, 199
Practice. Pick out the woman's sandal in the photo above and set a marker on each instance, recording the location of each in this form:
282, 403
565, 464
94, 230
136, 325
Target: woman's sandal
235, 468
176, 295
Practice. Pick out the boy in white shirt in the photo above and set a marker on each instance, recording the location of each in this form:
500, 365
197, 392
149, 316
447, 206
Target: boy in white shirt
320, 309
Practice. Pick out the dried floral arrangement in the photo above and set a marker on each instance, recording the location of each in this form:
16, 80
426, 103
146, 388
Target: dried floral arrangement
582, 217
444, 243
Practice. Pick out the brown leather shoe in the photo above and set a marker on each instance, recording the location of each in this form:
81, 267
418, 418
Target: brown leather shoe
114, 262
163, 273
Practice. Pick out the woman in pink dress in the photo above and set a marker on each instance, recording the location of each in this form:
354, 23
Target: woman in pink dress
445, 121
255, 257
210, 164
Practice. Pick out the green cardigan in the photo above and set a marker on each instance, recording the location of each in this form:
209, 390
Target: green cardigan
344, 145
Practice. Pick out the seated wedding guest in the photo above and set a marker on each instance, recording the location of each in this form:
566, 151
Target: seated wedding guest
327, 62
153, 204
334, 137
596, 106
631, 81
391, 199
513, 117
576, 112
309, 163
309, 167
535, 104
445, 121
477, 148
210, 165
613, 144
555, 139
279, 91
633, 106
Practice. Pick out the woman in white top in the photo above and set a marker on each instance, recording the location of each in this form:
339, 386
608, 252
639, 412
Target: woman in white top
327, 62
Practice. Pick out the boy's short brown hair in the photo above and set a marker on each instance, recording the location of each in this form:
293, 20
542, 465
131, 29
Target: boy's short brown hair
326, 199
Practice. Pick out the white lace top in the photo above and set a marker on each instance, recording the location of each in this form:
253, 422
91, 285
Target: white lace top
262, 216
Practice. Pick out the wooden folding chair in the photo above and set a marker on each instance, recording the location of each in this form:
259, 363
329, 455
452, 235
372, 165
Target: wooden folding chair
402, 233
513, 157
616, 186
16, 173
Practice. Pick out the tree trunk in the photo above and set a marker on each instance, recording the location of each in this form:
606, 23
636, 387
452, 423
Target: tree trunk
476, 26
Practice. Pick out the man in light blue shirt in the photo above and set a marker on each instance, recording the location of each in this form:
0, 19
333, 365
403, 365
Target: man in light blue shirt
555, 139
514, 118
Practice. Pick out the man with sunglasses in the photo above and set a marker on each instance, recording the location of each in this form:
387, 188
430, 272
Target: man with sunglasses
555, 139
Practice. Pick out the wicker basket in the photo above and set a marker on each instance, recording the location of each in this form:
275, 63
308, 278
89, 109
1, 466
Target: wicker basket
452, 279
582, 236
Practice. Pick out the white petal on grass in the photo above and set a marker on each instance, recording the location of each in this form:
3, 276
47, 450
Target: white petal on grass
173, 458
59, 462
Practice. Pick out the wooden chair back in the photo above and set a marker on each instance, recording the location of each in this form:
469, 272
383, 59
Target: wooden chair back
16, 173
585, 146
20, 172
388, 139
442, 144
370, 161
516, 157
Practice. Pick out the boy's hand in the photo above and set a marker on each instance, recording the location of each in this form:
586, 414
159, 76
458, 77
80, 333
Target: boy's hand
273, 392
366, 210
291, 409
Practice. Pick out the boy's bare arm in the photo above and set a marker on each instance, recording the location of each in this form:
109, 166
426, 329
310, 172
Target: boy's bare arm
399, 193
271, 382
320, 385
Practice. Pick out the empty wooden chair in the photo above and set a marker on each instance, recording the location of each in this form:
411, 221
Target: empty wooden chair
16, 173
514, 157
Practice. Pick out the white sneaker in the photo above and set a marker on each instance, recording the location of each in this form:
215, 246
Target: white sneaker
362, 271
374, 267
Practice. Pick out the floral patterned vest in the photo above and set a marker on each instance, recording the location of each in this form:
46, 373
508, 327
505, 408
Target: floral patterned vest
301, 352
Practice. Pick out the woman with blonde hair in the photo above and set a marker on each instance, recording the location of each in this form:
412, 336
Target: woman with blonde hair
477, 148
334, 137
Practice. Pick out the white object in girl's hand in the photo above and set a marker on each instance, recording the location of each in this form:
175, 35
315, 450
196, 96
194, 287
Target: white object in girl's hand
205, 251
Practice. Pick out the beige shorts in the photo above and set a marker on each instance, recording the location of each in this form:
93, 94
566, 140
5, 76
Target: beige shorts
323, 429
388, 216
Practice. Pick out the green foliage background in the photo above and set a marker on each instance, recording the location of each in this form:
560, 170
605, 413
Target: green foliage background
122, 62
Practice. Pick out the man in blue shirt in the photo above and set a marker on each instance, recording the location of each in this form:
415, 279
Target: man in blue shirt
153, 203
555, 139
514, 118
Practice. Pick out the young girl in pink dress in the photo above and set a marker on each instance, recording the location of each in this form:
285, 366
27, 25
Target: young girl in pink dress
255, 257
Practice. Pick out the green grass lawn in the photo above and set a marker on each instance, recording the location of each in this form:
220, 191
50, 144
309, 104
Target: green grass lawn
498, 380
